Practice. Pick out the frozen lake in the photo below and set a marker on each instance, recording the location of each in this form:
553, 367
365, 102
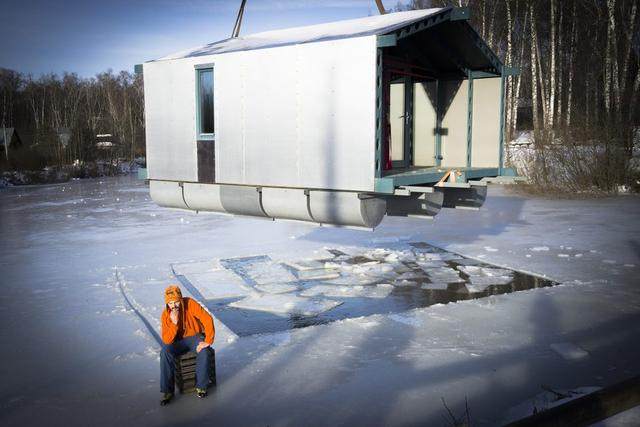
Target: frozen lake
76, 352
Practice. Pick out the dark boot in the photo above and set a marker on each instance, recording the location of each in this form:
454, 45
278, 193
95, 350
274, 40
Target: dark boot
166, 398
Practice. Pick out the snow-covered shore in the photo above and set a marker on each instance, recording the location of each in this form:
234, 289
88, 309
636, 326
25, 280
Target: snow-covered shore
75, 353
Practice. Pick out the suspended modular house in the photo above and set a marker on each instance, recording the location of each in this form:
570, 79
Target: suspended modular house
339, 123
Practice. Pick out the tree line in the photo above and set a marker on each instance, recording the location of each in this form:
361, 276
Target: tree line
66, 119
579, 78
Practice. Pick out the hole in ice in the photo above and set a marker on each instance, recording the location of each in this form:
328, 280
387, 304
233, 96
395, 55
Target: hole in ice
258, 294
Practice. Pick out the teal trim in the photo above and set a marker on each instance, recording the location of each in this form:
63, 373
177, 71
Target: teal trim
384, 185
386, 40
438, 150
508, 172
511, 71
379, 116
428, 176
142, 173
469, 117
428, 22
460, 14
501, 137
203, 136
137, 69
483, 74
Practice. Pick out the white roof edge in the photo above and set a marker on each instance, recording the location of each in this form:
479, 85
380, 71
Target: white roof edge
360, 27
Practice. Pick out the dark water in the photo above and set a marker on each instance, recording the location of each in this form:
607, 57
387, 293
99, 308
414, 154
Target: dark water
248, 322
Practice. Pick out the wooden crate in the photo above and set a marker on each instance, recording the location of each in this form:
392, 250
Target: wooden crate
185, 373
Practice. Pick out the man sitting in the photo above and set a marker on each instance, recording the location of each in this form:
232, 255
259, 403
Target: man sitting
183, 323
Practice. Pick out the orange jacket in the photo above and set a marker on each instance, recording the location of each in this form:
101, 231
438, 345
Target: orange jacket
193, 320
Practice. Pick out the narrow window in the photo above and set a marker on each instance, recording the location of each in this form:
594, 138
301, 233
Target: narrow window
205, 103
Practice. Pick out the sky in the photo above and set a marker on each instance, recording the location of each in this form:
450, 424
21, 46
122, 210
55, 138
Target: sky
88, 37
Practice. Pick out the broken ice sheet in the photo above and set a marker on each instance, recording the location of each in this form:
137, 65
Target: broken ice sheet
472, 271
322, 274
352, 279
432, 264
268, 272
444, 275
377, 291
276, 288
219, 284
490, 280
185, 268
306, 264
441, 256
286, 304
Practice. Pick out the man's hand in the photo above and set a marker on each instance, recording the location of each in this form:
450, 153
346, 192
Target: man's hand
201, 345
174, 316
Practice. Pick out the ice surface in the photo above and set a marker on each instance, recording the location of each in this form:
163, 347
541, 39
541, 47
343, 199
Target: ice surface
186, 268
286, 304
569, 351
219, 284
374, 291
321, 274
261, 382
276, 288
268, 272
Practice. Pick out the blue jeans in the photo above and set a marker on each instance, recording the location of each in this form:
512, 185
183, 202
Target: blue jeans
171, 351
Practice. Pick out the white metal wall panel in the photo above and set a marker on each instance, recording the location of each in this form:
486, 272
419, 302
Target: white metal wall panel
292, 116
486, 123
307, 115
169, 94
424, 124
396, 120
454, 144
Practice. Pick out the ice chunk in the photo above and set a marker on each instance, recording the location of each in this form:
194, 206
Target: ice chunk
286, 304
472, 270
219, 284
474, 288
404, 283
438, 286
306, 264
186, 268
431, 264
352, 279
409, 275
444, 275
276, 288
490, 280
441, 256
268, 272
323, 274
378, 291
490, 249
569, 351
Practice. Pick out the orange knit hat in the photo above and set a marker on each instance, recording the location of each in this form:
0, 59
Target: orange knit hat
172, 293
